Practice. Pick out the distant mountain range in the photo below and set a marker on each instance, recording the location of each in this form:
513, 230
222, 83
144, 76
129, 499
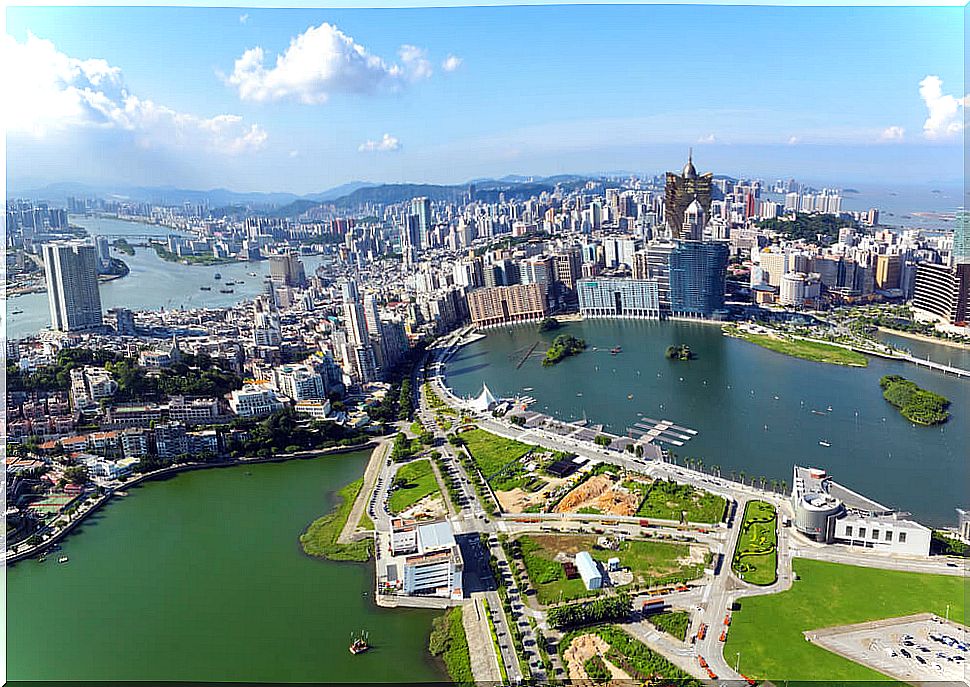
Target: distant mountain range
347, 196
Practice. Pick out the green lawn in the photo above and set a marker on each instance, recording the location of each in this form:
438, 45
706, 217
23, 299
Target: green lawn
420, 483
768, 629
807, 350
650, 562
666, 500
320, 538
492, 453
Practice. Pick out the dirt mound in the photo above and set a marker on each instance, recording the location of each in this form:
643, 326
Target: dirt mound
587, 491
583, 648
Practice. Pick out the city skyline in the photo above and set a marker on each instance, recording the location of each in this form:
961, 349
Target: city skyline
257, 99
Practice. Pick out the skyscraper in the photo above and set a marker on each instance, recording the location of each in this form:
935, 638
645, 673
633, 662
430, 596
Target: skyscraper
72, 286
287, 269
697, 274
359, 357
421, 208
683, 189
961, 239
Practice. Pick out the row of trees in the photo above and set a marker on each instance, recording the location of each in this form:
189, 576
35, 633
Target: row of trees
762, 481
601, 610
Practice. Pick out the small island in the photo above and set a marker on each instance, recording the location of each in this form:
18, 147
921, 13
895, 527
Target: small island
122, 246
549, 324
679, 352
563, 346
915, 404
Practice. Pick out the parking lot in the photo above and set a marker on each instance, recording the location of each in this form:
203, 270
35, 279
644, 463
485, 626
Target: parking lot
917, 648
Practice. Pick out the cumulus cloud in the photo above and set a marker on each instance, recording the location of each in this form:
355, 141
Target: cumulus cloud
893, 133
792, 140
944, 117
451, 63
710, 138
386, 144
56, 92
294, 153
320, 62
243, 18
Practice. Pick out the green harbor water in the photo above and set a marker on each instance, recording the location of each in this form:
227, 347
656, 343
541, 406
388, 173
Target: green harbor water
752, 408
201, 578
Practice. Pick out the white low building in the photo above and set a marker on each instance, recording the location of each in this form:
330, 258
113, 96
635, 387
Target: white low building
830, 513
589, 570
255, 400
429, 558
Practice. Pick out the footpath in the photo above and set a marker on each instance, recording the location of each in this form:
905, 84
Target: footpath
377, 457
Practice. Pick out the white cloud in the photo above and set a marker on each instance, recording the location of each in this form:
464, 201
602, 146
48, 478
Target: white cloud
320, 62
294, 153
944, 118
57, 92
243, 18
710, 138
386, 144
893, 133
792, 140
451, 63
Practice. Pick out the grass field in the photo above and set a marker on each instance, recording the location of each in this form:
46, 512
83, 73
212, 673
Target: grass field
756, 556
768, 629
320, 538
648, 561
807, 350
666, 500
492, 453
420, 483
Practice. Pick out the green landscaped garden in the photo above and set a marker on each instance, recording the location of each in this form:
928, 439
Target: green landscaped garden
807, 350
412, 483
914, 403
674, 623
756, 555
767, 631
650, 562
490, 452
667, 500
448, 642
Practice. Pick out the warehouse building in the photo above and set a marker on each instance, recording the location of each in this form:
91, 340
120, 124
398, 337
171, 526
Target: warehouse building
589, 570
424, 559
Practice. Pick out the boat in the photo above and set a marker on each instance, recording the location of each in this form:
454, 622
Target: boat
217, 276
630, 396
16, 312
824, 443
205, 288
817, 412
579, 394
829, 409
62, 559
225, 290
359, 644
616, 349
42, 558
527, 388
253, 274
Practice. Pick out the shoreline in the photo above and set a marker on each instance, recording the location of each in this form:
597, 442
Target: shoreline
924, 338
11, 559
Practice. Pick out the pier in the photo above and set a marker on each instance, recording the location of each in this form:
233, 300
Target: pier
526, 356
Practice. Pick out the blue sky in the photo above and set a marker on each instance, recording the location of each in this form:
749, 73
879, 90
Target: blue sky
302, 100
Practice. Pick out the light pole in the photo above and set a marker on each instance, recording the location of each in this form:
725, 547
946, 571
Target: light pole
948, 612
737, 663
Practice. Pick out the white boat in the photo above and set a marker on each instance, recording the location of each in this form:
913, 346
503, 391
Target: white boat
62, 559
824, 443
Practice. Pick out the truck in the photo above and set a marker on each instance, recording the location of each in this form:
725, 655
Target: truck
653, 606
644, 523
702, 632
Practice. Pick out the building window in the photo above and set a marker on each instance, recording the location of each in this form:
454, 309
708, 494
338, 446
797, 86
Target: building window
848, 530
889, 535
875, 534
862, 532
902, 537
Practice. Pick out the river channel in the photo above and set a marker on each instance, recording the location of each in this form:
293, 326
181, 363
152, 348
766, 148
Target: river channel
201, 578
752, 408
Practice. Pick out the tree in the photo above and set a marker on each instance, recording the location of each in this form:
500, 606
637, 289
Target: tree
602, 440
76, 474
639, 451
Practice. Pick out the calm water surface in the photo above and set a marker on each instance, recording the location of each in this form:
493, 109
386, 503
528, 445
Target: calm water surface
752, 407
201, 577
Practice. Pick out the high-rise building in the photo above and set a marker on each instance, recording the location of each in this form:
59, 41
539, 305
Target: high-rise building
72, 286
359, 357
683, 189
421, 209
639, 298
502, 304
961, 239
943, 292
697, 278
267, 330
658, 267
287, 269
888, 270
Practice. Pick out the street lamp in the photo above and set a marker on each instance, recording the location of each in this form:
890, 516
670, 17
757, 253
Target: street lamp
737, 663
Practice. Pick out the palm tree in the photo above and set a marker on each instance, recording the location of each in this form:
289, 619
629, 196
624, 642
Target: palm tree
784, 487
700, 464
733, 474
716, 469
742, 476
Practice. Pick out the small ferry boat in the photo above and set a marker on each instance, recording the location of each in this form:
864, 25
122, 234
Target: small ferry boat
16, 312
359, 644
527, 388
829, 409
818, 412
62, 559
616, 349
217, 276
225, 290
824, 443
205, 288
